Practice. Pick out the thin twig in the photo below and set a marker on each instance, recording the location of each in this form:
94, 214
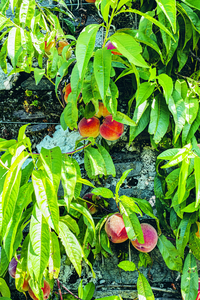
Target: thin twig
70, 292
59, 290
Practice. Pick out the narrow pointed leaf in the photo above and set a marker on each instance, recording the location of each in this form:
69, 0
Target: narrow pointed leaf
54, 259
72, 246
169, 9
189, 279
144, 288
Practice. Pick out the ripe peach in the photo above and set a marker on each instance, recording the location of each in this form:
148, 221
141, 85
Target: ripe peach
115, 229
25, 286
50, 45
150, 238
61, 45
111, 130
91, 197
67, 90
198, 295
103, 112
46, 291
110, 46
89, 127
198, 231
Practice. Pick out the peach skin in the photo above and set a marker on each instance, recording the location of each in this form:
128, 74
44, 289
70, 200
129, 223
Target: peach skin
111, 130
103, 112
115, 229
92, 208
150, 239
61, 45
89, 127
50, 45
46, 291
67, 90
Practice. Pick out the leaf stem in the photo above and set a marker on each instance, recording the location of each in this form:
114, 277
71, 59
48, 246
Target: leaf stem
59, 290
71, 292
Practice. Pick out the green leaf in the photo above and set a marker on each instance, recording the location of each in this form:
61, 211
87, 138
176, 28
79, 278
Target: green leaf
182, 179
167, 84
127, 265
191, 108
71, 223
83, 211
141, 117
68, 179
70, 114
51, 161
169, 254
144, 92
183, 234
197, 179
21, 270
4, 289
169, 9
105, 243
102, 69
124, 119
123, 177
104, 192
172, 181
128, 209
189, 12
14, 45
38, 74
145, 206
189, 279
39, 245
159, 119
54, 259
110, 167
145, 260
144, 288
192, 3
72, 246
84, 47
194, 127
94, 163
11, 229
46, 198
26, 13
88, 291
194, 245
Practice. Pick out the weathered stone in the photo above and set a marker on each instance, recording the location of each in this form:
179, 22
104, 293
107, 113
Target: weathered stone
43, 85
21, 114
6, 82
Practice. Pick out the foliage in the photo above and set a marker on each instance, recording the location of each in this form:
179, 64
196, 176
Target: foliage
164, 100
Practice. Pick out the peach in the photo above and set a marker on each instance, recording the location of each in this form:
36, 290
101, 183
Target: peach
46, 291
90, 1
91, 197
150, 238
25, 286
61, 45
198, 231
89, 127
103, 112
115, 229
50, 45
110, 46
111, 130
198, 295
67, 90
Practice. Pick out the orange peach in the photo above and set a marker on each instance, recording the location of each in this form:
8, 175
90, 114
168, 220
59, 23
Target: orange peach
111, 130
46, 291
198, 231
150, 238
115, 229
61, 45
103, 112
110, 46
67, 90
90, 1
50, 45
91, 198
89, 127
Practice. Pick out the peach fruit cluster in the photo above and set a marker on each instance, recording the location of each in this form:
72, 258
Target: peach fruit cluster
60, 45
116, 232
110, 129
25, 287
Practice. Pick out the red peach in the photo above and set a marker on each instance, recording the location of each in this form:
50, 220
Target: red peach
103, 112
50, 45
93, 209
115, 229
89, 127
198, 295
61, 45
67, 90
46, 291
110, 46
150, 238
111, 130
